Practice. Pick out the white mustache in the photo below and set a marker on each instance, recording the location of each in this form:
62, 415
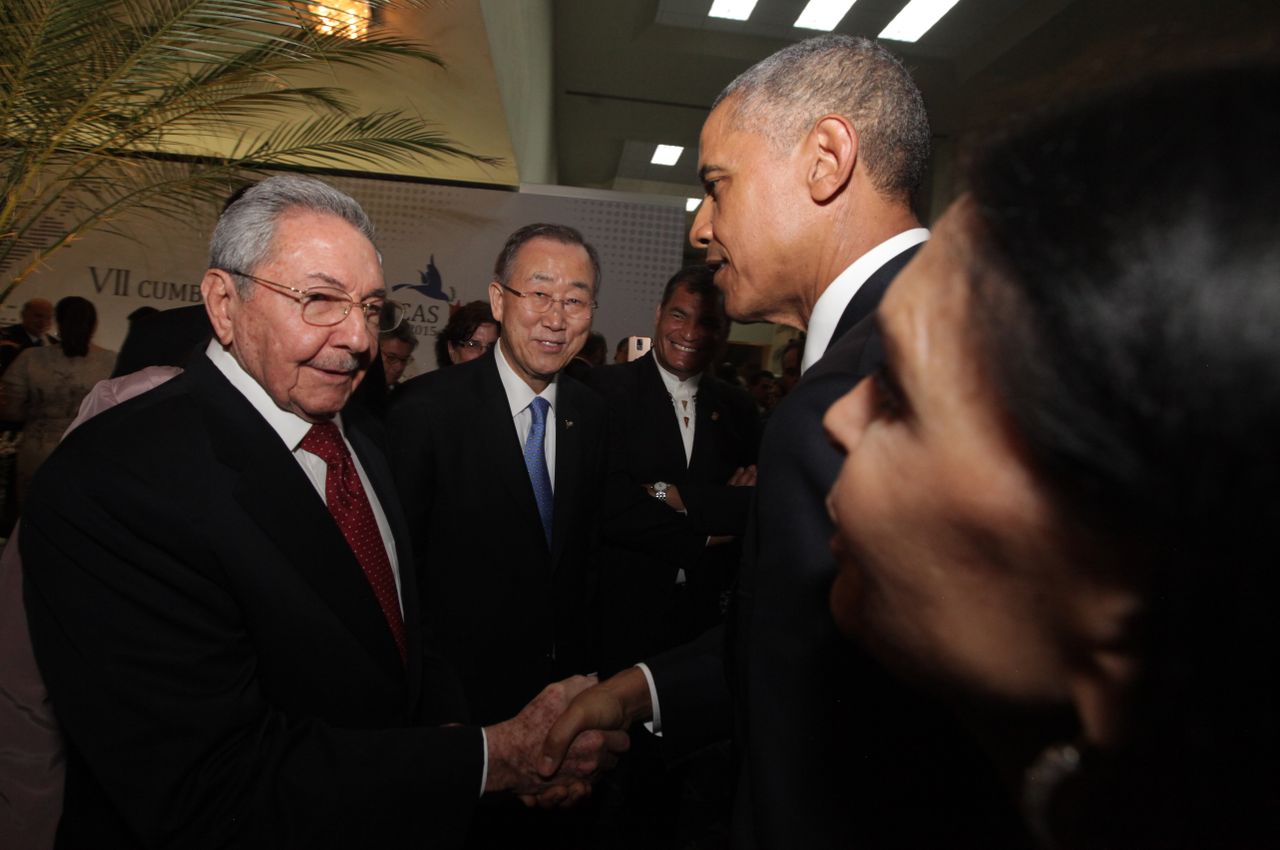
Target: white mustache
335, 362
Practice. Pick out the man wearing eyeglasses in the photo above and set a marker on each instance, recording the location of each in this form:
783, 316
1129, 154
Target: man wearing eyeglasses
220, 586
500, 463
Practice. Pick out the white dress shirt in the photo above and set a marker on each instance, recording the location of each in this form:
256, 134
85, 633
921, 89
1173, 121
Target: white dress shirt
519, 396
836, 297
684, 403
292, 428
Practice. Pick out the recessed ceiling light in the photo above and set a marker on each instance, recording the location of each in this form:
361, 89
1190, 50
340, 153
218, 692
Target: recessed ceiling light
691, 204
666, 154
823, 15
733, 10
916, 18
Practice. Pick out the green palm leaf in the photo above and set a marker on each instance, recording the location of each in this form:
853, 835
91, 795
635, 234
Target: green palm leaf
108, 106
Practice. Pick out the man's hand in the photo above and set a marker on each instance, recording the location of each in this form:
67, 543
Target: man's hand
612, 705
743, 476
516, 750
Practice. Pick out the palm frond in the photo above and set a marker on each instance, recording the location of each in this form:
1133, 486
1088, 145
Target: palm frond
92, 90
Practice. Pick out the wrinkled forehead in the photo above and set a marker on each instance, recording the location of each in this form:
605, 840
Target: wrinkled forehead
551, 262
320, 250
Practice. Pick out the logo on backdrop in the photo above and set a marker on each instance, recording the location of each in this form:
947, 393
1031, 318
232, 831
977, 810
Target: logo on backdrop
432, 284
424, 317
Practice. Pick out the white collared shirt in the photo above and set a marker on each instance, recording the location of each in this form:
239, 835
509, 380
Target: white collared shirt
684, 402
292, 428
836, 297
519, 396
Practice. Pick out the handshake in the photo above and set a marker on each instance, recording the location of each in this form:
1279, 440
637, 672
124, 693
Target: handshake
554, 749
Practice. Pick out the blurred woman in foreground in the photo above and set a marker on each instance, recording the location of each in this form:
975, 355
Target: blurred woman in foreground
1064, 486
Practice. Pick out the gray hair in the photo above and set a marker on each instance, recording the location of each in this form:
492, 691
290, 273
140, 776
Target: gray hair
782, 96
245, 234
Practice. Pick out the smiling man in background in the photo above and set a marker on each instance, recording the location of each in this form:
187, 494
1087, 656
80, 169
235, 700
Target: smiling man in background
501, 465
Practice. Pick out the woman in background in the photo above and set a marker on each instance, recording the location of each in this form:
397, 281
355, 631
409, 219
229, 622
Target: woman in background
470, 332
1064, 485
45, 385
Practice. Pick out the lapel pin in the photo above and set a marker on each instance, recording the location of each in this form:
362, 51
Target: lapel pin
568, 423
715, 415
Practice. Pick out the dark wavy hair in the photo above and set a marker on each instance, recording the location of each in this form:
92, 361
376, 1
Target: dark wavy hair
77, 320
1127, 296
461, 325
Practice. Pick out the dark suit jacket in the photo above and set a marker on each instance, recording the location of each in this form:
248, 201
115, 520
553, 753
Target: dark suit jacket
219, 662
643, 611
168, 338
834, 753
511, 614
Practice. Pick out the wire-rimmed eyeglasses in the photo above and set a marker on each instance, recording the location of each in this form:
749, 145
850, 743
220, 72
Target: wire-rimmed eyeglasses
540, 302
325, 306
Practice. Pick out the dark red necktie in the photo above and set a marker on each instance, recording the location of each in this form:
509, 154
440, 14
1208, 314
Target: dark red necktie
351, 510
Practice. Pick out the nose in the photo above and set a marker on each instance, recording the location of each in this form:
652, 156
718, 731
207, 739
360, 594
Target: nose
700, 231
555, 318
846, 420
353, 332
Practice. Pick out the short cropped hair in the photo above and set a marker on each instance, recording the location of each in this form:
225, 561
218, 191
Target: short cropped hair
245, 234
557, 233
783, 95
698, 279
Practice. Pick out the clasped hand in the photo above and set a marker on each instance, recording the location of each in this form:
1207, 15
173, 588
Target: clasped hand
517, 761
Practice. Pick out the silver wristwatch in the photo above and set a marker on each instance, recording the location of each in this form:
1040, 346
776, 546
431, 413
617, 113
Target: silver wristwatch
660, 490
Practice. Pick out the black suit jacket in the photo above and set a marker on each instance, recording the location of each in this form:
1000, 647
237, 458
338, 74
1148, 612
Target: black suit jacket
219, 662
644, 613
509, 612
168, 338
834, 752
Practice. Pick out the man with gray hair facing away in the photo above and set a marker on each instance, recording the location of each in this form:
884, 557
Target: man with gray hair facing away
809, 160
220, 589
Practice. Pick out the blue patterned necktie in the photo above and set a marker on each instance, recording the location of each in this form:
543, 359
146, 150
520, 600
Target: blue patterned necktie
535, 459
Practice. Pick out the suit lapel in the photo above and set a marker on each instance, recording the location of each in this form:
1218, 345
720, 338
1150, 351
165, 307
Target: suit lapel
569, 459
498, 432
374, 462
275, 493
656, 406
707, 424
867, 298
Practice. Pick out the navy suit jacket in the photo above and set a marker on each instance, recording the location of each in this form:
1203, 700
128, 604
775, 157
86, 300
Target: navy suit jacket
217, 659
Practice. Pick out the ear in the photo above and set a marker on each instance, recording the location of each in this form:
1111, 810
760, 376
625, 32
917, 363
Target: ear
495, 299
833, 145
221, 300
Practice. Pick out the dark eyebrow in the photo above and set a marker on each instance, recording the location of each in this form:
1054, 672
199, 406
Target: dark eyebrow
704, 171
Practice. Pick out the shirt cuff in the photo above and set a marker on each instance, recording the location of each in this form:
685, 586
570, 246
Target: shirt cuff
654, 725
484, 772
